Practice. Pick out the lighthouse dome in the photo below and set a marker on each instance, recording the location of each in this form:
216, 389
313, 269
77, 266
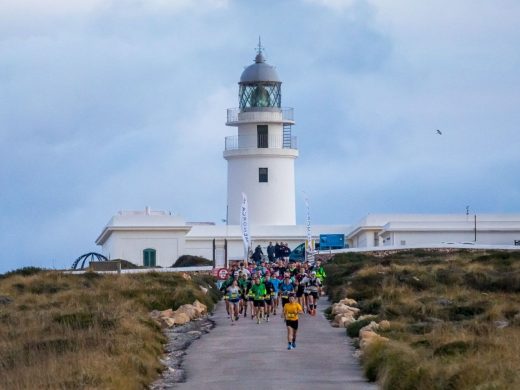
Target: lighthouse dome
259, 72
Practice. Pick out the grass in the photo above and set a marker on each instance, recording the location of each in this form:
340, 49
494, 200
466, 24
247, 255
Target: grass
454, 314
87, 331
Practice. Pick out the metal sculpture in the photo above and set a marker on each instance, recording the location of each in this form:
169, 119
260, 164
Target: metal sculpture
92, 256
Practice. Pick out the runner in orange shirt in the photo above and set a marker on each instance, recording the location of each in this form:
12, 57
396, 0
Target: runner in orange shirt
290, 313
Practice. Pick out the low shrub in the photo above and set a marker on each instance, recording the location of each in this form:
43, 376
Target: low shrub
191, 261
354, 328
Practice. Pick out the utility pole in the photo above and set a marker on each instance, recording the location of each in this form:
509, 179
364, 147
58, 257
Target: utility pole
475, 227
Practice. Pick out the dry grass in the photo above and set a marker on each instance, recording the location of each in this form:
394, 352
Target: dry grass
87, 331
455, 316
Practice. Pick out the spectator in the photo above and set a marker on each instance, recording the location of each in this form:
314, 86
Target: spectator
271, 252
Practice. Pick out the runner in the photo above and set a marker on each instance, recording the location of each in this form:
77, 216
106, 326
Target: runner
259, 292
269, 291
276, 293
233, 293
312, 286
291, 311
299, 287
244, 287
286, 288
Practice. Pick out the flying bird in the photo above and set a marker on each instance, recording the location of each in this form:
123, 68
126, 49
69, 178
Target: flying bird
439, 132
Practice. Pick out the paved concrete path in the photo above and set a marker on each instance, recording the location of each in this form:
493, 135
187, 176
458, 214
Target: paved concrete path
247, 355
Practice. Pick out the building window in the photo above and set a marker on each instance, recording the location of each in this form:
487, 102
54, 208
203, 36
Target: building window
263, 175
149, 257
262, 136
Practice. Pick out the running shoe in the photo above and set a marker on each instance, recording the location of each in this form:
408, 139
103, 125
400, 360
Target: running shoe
293, 344
289, 347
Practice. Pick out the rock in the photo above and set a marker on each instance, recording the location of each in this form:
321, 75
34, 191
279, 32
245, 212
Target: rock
338, 308
346, 321
5, 300
501, 324
189, 310
373, 326
166, 322
168, 313
202, 308
367, 337
186, 276
384, 325
203, 289
180, 318
155, 314
348, 302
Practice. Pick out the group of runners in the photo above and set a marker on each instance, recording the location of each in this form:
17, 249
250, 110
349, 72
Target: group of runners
259, 290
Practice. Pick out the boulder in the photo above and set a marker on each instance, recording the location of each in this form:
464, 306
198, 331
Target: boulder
180, 318
384, 325
348, 302
339, 308
166, 313
373, 326
166, 322
203, 289
367, 337
186, 276
189, 310
202, 308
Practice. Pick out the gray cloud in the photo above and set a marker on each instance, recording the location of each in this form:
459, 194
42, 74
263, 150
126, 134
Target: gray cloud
117, 105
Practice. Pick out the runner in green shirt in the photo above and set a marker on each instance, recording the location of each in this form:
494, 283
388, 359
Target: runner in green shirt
259, 293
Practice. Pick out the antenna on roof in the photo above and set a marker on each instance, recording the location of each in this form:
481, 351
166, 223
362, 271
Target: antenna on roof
260, 48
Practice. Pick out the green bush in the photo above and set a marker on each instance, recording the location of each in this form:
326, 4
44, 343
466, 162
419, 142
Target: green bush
354, 328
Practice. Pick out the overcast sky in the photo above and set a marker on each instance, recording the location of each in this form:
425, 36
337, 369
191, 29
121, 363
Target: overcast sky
112, 104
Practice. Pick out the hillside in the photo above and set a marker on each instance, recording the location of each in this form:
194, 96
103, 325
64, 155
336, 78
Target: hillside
87, 331
454, 316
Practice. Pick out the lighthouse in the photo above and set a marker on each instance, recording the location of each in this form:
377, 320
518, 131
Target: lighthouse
260, 157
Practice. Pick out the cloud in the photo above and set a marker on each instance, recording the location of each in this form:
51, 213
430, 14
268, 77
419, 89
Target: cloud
117, 105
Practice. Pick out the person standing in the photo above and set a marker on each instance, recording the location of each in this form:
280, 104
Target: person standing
277, 252
271, 252
257, 255
290, 312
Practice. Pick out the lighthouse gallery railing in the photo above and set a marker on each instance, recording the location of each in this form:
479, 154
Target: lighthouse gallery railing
260, 141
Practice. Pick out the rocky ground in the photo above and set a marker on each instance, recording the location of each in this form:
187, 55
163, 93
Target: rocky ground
179, 339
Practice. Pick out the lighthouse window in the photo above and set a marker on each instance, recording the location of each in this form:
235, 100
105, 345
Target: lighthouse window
262, 175
262, 140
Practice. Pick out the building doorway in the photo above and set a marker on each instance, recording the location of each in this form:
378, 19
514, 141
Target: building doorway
149, 256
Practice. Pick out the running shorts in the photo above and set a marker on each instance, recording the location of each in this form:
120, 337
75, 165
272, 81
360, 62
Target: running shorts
259, 303
314, 294
292, 324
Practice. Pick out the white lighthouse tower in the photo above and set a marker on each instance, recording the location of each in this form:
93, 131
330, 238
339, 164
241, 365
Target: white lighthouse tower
261, 156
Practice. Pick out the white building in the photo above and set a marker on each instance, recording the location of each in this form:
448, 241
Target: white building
424, 229
151, 238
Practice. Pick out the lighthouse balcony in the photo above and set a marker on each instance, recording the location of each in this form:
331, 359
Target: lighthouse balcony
236, 142
238, 116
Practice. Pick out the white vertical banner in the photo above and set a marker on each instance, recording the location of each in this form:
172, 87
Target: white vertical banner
309, 248
244, 226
